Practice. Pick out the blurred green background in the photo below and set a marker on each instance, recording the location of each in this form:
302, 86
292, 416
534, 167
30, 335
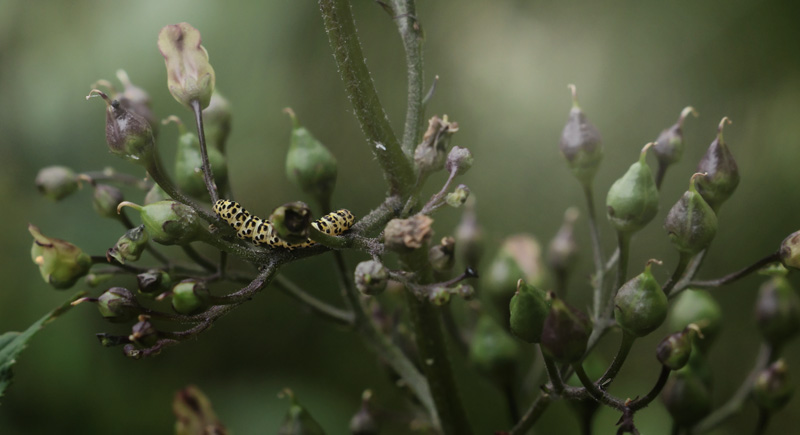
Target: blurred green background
504, 67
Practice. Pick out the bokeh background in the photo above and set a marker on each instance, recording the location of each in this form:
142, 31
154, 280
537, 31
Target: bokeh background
504, 66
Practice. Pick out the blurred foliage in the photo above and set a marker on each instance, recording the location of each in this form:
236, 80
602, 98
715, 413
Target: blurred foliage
504, 66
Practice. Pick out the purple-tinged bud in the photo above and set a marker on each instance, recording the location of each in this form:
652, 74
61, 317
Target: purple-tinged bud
778, 311
431, 154
772, 390
580, 143
137, 100
691, 223
443, 256
60, 263
674, 350
128, 134
640, 305
371, 277
153, 282
669, 145
566, 330
790, 251
118, 305
190, 76
686, 397
57, 182
143, 332
130, 246
721, 169
460, 160
106, 199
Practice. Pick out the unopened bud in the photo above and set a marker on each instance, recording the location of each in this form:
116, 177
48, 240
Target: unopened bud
700, 308
128, 134
153, 282
309, 164
528, 309
137, 100
60, 263
371, 277
632, 201
217, 121
674, 350
778, 311
686, 398
190, 76
669, 145
169, 222
721, 169
772, 390
790, 251
459, 159
57, 182
566, 330
443, 256
189, 296
691, 223
130, 246
458, 197
106, 199
118, 305
580, 143
189, 163
292, 221
406, 235
640, 305
431, 153
143, 332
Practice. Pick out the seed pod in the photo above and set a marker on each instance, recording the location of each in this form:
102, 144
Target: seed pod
640, 305
632, 201
700, 308
130, 246
562, 252
60, 263
106, 199
458, 197
189, 296
778, 311
169, 222
691, 223
298, 420
528, 309
309, 164
431, 154
443, 256
155, 194
217, 121
190, 76
153, 282
493, 352
189, 163
144, 333
57, 182
118, 305
674, 350
519, 257
669, 145
790, 251
137, 100
459, 160
371, 277
406, 235
566, 332
772, 390
581, 143
721, 169
363, 422
128, 134
686, 398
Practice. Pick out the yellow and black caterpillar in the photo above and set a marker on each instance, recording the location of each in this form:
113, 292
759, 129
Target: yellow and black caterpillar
262, 232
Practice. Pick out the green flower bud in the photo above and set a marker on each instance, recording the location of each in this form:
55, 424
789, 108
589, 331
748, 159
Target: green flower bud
778, 311
128, 134
190, 76
459, 160
772, 390
691, 223
194, 414
669, 145
431, 154
153, 282
528, 309
298, 420
700, 308
492, 350
137, 100
217, 121
674, 350
566, 332
519, 257
458, 197
189, 296
169, 222
632, 201
371, 277
363, 422
143, 332
640, 305
189, 163
722, 173
309, 164
580, 143
130, 246
61, 263
439, 296
406, 235
118, 305
686, 398
469, 235
106, 199
292, 221
443, 256
155, 194
57, 182
790, 251
562, 252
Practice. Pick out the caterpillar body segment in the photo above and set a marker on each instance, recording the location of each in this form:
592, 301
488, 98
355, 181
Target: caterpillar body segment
262, 232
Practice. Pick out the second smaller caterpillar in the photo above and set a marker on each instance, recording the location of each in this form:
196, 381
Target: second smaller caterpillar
262, 232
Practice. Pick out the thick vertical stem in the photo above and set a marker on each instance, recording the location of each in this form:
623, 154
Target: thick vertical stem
411, 33
360, 89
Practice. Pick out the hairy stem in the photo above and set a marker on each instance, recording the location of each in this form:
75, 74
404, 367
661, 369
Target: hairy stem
411, 34
349, 57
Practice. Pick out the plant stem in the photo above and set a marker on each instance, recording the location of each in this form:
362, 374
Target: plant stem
511, 401
727, 279
554, 374
532, 415
156, 171
654, 392
763, 420
624, 241
596, 393
346, 47
622, 353
326, 311
683, 261
208, 174
599, 294
411, 33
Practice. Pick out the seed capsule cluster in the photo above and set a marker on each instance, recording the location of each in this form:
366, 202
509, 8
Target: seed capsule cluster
262, 232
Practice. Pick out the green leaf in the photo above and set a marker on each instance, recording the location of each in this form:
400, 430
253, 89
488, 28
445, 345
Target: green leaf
13, 343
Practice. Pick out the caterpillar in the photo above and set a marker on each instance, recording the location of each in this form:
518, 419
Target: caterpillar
262, 232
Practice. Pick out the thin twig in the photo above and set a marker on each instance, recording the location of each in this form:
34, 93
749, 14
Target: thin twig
208, 173
727, 279
317, 306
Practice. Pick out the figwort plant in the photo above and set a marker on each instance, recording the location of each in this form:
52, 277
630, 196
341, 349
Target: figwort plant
175, 300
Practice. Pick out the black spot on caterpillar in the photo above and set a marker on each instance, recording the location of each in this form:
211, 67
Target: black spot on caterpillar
261, 231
